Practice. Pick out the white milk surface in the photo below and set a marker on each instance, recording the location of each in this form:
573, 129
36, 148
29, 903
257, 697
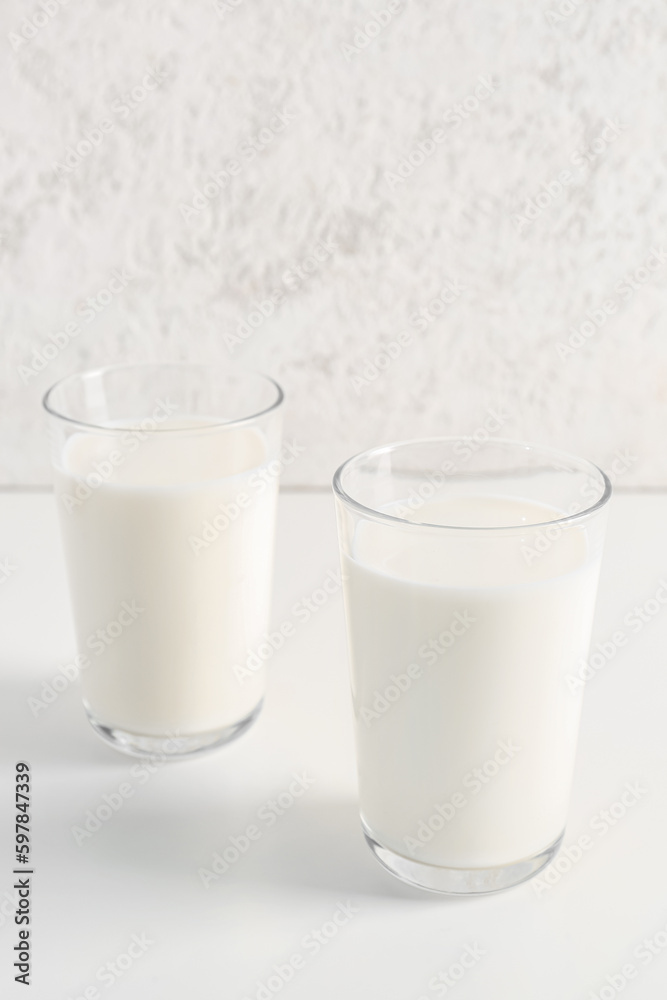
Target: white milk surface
466, 729
138, 541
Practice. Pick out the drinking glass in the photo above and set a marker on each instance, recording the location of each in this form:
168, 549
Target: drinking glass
166, 478
470, 573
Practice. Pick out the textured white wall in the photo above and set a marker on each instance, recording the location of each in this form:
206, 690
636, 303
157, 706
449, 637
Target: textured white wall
351, 109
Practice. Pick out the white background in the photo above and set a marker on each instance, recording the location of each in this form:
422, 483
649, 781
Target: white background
358, 112
489, 358
138, 874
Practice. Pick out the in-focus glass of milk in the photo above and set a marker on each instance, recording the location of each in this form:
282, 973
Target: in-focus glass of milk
166, 481
465, 617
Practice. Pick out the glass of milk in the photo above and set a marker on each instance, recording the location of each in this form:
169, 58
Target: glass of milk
166, 479
470, 575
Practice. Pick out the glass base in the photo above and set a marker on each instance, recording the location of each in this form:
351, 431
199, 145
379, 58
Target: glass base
461, 881
171, 747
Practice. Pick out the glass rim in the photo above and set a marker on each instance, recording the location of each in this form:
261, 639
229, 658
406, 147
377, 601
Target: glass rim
378, 515
215, 424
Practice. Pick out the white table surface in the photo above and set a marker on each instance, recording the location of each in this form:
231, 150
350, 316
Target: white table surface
138, 875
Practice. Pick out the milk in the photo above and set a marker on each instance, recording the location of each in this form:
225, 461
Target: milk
460, 646
178, 528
